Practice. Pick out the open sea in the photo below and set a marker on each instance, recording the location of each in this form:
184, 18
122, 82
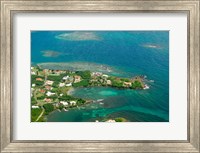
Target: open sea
126, 54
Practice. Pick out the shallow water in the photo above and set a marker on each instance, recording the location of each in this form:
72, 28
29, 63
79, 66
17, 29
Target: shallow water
113, 103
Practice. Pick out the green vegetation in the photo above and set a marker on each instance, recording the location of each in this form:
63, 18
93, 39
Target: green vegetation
48, 108
55, 84
84, 74
38, 83
83, 83
66, 98
116, 83
81, 101
61, 106
120, 119
137, 85
57, 78
41, 97
61, 90
35, 113
33, 101
125, 79
41, 119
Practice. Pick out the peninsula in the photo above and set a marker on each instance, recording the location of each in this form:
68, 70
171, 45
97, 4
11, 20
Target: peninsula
50, 89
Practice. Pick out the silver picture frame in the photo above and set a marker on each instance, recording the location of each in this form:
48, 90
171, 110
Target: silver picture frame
11, 7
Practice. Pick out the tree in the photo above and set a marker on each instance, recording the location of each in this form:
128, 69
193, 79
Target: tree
120, 119
117, 84
84, 74
61, 106
66, 98
125, 79
80, 101
136, 85
39, 83
48, 108
35, 113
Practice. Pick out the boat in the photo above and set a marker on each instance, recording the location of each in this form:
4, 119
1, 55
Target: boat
99, 100
146, 87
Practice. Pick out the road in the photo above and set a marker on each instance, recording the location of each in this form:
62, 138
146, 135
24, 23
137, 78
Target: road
40, 115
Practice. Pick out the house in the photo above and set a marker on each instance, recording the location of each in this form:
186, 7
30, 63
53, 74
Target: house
50, 93
61, 84
61, 95
39, 79
33, 73
108, 82
127, 84
69, 85
34, 107
66, 77
77, 78
97, 74
47, 100
42, 91
48, 87
64, 103
72, 102
33, 85
105, 76
48, 82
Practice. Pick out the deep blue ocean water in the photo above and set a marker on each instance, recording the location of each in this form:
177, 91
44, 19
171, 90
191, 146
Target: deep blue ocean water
131, 52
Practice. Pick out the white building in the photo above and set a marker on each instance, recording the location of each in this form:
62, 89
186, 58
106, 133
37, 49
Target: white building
69, 85
33, 73
65, 77
50, 93
105, 76
61, 84
64, 103
34, 107
33, 85
77, 79
72, 103
108, 82
48, 82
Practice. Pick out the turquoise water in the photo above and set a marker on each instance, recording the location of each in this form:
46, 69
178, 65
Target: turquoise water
128, 53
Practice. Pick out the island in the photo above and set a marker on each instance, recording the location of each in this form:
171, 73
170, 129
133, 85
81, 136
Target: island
50, 89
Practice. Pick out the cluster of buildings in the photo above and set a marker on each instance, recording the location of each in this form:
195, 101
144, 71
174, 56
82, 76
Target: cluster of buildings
68, 103
104, 80
48, 89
